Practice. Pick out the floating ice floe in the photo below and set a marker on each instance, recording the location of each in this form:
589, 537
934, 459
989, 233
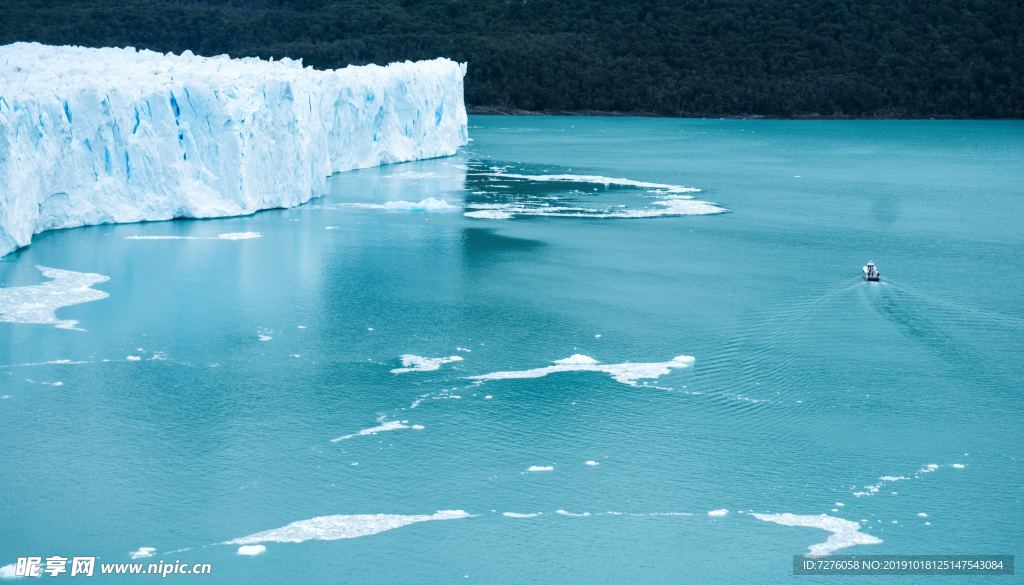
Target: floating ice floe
251, 550
63, 362
44, 383
418, 363
142, 553
845, 533
720, 512
667, 206
562, 512
651, 514
536, 468
341, 526
488, 214
606, 181
234, 236
8, 572
38, 303
872, 489
428, 205
625, 373
394, 425
591, 463
664, 200
240, 236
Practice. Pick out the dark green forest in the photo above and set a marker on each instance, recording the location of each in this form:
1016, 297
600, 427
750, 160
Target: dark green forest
843, 58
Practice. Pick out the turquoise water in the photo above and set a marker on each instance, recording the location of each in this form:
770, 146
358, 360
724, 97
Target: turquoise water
195, 410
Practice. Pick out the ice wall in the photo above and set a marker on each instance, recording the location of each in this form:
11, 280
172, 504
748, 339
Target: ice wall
92, 136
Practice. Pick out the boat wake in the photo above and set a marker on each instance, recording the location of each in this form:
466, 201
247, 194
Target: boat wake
954, 332
757, 371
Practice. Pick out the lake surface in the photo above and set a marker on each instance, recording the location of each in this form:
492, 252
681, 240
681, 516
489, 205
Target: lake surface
197, 403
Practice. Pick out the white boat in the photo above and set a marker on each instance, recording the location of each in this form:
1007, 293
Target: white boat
871, 273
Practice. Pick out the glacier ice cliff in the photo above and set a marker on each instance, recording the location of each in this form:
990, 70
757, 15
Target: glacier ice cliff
91, 136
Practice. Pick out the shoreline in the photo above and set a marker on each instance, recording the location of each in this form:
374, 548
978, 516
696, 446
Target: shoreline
506, 111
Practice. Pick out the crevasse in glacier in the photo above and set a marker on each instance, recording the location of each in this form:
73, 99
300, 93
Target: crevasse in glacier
92, 136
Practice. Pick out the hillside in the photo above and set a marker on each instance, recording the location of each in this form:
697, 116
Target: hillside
856, 58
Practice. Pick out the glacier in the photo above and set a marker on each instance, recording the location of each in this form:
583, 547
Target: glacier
112, 135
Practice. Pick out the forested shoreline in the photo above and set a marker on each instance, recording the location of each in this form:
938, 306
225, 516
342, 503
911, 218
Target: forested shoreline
771, 58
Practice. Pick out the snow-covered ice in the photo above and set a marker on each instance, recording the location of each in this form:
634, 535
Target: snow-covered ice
113, 135
394, 425
489, 214
562, 512
418, 363
142, 552
666, 200
626, 373
845, 533
668, 206
38, 303
521, 514
343, 526
597, 179
872, 489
